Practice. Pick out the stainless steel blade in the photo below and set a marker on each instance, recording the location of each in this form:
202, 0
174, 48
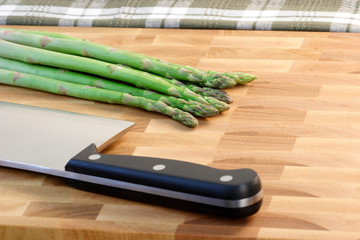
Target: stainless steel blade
44, 140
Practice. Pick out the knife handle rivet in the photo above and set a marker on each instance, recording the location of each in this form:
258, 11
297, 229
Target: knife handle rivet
94, 157
159, 167
226, 178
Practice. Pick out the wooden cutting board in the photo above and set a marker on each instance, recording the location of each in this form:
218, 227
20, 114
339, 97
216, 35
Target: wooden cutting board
297, 125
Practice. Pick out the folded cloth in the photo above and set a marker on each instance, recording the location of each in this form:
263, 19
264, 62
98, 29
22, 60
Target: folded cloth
305, 15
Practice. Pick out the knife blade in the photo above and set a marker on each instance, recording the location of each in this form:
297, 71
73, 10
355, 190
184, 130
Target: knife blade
69, 145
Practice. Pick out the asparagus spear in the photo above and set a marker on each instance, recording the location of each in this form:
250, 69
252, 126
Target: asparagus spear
138, 78
195, 108
108, 54
92, 93
42, 33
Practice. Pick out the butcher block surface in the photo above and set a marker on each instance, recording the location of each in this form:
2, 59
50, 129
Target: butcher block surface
297, 125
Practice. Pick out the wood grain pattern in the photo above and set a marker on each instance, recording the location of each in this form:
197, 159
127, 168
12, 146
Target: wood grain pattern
298, 126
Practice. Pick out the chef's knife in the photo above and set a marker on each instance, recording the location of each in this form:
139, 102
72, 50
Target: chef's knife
68, 145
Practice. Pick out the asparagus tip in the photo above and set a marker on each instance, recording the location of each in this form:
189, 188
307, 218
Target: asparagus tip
185, 118
218, 80
241, 78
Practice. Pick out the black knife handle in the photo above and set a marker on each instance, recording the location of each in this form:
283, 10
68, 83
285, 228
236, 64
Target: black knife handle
230, 192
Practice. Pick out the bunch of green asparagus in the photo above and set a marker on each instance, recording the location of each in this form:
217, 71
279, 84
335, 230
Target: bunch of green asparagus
70, 66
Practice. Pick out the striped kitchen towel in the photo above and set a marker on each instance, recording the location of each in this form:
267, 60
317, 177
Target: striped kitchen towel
297, 15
